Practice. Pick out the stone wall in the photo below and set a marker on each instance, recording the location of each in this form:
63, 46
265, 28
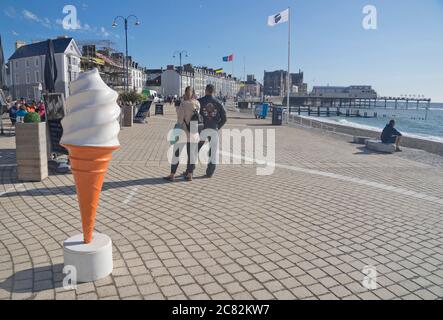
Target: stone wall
408, 142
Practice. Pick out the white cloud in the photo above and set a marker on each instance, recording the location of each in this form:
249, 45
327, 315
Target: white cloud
87, 28
10, 12
30, 16
45, 22
104, 32
14, 33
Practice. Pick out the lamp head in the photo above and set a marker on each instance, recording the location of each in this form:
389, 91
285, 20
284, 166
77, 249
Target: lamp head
114, 24
137, 23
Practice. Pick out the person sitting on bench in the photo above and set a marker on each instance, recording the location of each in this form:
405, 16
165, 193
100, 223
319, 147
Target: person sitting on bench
390, 135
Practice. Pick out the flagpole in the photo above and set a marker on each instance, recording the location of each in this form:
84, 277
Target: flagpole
289, 63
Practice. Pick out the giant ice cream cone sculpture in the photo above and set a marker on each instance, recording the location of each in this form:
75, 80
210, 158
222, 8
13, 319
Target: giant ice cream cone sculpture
90, 134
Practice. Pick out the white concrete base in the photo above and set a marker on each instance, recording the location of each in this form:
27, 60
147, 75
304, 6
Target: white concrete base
92, 261
378, 146
361, 140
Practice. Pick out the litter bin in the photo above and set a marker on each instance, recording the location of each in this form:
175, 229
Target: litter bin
277, 116
261, 111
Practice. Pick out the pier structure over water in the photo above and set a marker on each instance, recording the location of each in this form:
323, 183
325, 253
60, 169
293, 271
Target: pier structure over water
358, 102
356, 106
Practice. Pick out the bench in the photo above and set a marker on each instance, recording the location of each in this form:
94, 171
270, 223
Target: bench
378, 146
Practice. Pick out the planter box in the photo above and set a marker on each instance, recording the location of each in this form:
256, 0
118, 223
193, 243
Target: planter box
31, 149
128, 118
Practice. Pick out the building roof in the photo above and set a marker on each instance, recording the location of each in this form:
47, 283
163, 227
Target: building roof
155, 71
40, 48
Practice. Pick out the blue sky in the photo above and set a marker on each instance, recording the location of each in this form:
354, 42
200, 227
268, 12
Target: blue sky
404, 55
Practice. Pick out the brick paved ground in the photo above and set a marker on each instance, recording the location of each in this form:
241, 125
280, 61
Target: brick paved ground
305, 232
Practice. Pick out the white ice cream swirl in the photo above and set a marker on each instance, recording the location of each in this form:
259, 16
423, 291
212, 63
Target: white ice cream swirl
92, 118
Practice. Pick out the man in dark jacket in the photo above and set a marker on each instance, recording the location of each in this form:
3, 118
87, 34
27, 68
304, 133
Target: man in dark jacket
391, 135
214, 117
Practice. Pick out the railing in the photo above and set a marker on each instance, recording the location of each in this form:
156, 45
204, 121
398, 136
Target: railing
231, 106
294, 120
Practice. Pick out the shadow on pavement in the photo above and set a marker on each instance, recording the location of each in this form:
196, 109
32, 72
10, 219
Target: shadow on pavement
7, 156
35, 280
367, 152
71, 190
262, 125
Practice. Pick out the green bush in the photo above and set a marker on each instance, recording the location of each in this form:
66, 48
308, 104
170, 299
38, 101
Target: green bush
32, 117
133, 97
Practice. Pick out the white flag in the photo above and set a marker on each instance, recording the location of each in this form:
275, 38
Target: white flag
278, 18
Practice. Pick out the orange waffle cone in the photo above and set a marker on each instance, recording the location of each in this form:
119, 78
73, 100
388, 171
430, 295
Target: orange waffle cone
89, 166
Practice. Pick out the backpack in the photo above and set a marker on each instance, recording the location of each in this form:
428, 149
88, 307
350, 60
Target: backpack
196, 117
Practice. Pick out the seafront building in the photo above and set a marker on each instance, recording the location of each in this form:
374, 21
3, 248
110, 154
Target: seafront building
137, 76
174, 81
359, 92
112, 69
25, 69
154, 79
251, 88
27, 65
275, 83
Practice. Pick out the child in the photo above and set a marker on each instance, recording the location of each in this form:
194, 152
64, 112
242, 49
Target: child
21, 113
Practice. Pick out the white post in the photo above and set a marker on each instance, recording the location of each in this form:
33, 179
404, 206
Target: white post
289, 63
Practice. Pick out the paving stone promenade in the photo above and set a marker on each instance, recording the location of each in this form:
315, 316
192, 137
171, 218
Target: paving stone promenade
305, 232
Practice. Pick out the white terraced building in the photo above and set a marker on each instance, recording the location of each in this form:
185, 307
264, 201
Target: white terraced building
198, 78
27, 67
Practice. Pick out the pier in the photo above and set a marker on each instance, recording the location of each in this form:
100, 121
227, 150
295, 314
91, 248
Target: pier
356, 102
314, 105
328, 112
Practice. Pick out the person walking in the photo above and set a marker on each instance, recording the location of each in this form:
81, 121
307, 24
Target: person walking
13, 113
214, 117
185, 112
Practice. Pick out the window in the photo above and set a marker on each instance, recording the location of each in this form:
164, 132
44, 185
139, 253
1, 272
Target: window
16, 64
37, 62
37, 76
28, 78
28, 64
17, 79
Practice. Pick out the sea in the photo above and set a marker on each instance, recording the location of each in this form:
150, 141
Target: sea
413, 122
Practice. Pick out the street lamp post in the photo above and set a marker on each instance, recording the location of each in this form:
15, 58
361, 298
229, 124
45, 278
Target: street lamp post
180, 55
114, 24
